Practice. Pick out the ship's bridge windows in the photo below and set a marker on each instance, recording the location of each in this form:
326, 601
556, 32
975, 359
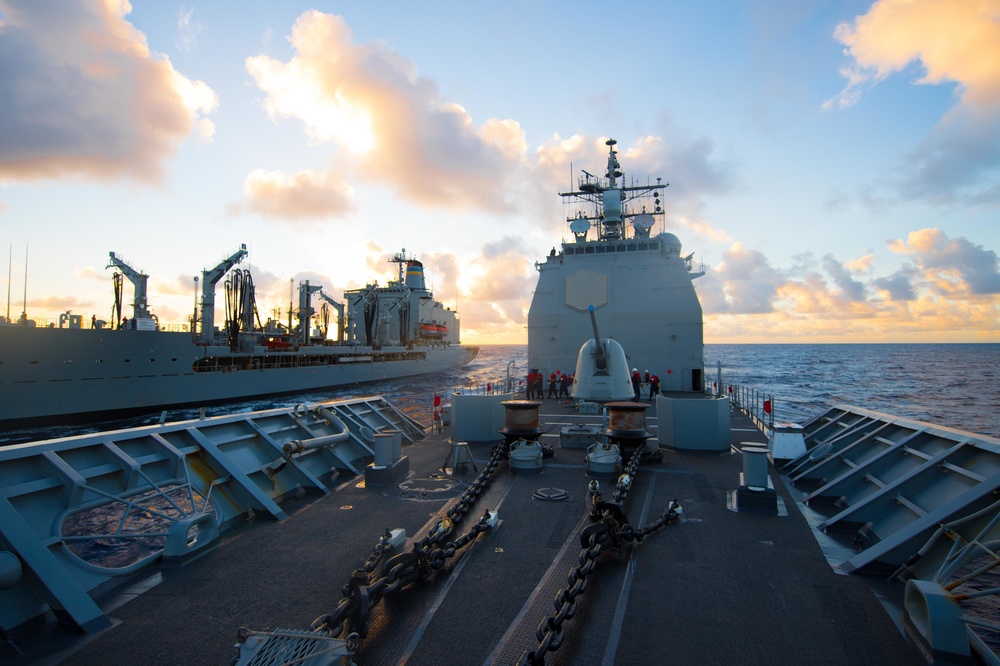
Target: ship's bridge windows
643, 246
600, 249
590, 249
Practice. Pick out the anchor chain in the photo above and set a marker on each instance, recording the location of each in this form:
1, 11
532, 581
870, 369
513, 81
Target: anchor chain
364, 591
608, 522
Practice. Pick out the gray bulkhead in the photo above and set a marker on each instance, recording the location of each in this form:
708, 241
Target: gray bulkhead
644, 296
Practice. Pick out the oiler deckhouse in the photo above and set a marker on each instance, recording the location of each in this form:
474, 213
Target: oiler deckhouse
638, 283
403, 313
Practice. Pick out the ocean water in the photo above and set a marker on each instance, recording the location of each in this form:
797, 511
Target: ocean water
954, 385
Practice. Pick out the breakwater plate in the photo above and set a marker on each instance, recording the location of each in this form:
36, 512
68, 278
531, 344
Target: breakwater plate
428, 488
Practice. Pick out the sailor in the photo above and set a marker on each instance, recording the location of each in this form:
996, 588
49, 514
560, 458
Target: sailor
531, 385
645, 378
636, 383
93, 321
552, 384
654, 386
564, 382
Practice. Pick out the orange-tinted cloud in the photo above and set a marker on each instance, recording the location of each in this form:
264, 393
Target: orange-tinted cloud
92, 101
950, 292
956, 267
306, 195
956, 42
392, 125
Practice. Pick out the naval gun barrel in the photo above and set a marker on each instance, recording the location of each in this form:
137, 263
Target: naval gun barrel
601, 358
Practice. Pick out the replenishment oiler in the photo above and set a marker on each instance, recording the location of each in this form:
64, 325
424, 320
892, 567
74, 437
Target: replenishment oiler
92, 370
604, 527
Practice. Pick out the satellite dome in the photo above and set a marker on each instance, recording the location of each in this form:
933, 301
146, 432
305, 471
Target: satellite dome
671, 242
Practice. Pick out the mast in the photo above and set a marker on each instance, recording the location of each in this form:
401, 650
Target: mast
610, 202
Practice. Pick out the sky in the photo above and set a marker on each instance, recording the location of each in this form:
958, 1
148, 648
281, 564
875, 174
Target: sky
834, 165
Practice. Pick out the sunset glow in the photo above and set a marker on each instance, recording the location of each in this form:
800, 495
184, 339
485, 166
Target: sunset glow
834, 168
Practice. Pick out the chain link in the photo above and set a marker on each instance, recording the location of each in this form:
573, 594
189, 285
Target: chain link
609, 526
361, 593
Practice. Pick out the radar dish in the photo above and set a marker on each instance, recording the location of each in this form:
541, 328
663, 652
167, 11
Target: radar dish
643, 221
580, 226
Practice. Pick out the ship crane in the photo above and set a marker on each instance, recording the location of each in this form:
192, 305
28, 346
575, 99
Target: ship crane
209, 278
339, 307
305, 311
138, 280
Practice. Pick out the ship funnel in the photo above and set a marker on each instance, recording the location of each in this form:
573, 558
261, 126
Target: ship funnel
602, 373
415, 274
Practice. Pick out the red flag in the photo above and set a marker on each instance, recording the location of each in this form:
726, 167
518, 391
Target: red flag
437, 401
767, 406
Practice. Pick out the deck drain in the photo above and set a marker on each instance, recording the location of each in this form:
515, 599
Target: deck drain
550, 494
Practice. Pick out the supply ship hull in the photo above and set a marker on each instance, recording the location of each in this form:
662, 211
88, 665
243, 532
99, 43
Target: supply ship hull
71, 373
65, 375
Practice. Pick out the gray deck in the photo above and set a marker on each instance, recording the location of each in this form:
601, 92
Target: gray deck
722, 587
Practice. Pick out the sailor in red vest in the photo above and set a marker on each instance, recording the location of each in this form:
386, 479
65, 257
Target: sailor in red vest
636, 383
654, 386
552, 384
531, 385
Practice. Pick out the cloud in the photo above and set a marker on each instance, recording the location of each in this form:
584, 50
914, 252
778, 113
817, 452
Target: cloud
497, 290
745, 283
899, 285
958, 43
303, 196
391, 125
848, 286
85, 98
949, 290
955, 267
188, 28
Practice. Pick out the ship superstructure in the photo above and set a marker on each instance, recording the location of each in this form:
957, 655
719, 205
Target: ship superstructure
639, 284
73, 373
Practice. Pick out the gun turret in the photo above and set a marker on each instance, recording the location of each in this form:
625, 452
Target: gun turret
600, 355
601, 369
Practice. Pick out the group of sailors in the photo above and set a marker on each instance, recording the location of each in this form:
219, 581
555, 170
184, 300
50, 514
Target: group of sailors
638, 381
559, 384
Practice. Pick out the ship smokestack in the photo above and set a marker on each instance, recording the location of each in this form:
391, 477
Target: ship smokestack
415, 274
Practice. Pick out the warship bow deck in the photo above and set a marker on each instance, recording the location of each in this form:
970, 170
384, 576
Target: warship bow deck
721, 587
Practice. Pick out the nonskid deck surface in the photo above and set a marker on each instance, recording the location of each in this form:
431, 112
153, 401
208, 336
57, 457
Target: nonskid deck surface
722, 587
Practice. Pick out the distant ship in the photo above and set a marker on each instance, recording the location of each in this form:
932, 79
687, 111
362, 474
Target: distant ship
72, 373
